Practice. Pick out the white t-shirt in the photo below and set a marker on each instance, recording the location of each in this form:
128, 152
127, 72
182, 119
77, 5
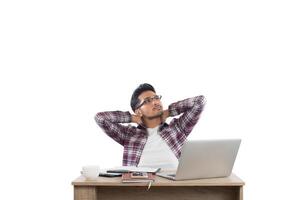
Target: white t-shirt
157, 153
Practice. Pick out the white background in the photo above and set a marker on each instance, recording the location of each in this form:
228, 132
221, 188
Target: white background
63, 61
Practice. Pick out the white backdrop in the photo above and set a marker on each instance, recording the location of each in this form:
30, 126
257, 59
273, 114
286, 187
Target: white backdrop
63, 61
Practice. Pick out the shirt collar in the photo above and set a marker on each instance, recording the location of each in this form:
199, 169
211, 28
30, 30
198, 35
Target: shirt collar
161, 126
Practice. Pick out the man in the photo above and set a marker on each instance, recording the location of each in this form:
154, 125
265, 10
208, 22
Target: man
153, 143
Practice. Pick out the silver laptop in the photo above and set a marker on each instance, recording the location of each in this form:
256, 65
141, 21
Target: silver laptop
205, 159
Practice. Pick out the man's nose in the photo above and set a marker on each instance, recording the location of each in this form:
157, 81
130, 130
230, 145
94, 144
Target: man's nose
155, 102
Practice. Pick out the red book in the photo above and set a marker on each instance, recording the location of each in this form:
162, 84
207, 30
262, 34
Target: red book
135, 177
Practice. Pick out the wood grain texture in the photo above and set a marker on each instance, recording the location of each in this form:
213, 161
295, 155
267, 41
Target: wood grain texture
85, 193
231, 180
169, 193
228, 188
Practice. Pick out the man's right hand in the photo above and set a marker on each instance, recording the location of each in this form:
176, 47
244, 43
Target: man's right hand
136, 119
164, 116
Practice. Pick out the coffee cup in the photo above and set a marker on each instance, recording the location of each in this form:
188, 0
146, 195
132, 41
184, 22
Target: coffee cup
90, 172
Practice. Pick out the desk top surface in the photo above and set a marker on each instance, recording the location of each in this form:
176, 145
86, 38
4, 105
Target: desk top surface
231, 180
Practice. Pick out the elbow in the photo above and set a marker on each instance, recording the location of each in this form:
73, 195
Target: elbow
99, 118
201, 101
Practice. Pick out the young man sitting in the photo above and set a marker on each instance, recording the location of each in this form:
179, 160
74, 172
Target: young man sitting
153, 143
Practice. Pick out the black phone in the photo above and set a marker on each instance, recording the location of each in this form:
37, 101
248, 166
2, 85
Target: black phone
110, 174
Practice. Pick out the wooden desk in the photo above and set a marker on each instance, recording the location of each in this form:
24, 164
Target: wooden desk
229, 188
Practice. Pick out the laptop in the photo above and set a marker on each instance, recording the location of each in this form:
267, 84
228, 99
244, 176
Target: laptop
205, 159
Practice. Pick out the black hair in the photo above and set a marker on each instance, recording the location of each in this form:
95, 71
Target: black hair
139, 90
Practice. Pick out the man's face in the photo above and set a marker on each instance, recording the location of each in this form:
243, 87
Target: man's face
151, 105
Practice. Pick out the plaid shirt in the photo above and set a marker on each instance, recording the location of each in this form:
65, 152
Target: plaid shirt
133, 139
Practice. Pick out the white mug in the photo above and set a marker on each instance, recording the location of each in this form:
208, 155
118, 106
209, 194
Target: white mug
90, 172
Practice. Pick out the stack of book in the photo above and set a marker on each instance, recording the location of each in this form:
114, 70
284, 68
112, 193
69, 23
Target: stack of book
132, 174
138, 177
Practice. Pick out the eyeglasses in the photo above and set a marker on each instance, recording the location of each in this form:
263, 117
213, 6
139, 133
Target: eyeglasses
148, 100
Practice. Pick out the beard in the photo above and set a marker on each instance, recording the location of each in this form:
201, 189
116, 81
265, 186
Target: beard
158, 115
